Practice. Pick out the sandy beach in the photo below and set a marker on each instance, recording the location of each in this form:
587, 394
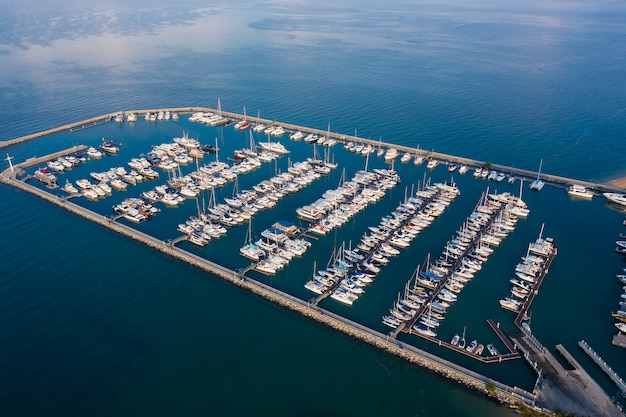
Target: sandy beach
618, 183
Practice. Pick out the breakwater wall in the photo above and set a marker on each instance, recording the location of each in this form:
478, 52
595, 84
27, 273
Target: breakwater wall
449, 159
474, 380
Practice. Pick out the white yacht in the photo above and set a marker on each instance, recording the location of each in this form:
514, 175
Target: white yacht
94, 153
83, 184
69, 188
577, 190
390, 154
432, 164
406, 157
309, 213
510, 304
315, 286
43, 175
616, 198
109, 148
90, 194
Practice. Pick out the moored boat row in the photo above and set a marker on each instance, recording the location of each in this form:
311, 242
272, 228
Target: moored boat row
394, 232
462, 258
528, 272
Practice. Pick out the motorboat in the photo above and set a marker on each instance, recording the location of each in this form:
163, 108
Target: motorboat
424, 330
510, 304
391, 154
616, 198
472, 346
45, 176
94, 153
492, 350
69, 188
432, 164
579, 191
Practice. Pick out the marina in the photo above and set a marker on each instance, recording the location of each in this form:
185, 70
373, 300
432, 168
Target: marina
209, 227
403, 218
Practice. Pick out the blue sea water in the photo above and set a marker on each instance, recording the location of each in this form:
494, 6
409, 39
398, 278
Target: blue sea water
93, 323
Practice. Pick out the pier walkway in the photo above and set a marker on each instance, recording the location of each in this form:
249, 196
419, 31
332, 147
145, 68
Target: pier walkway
621, 385
507, 342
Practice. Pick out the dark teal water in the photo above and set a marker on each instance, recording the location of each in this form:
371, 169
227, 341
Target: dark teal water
93, 323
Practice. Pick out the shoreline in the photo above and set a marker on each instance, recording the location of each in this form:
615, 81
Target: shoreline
617, 183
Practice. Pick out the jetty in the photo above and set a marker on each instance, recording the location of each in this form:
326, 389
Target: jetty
535, 290
621, 385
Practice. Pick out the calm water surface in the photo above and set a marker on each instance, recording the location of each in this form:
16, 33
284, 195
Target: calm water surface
93, 323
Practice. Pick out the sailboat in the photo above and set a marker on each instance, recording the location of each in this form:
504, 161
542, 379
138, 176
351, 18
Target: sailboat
381, 151
461, 343
327, 162
315, 160
419, 158
250, 250
313, 284
219, 120
243, 124
537, 184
